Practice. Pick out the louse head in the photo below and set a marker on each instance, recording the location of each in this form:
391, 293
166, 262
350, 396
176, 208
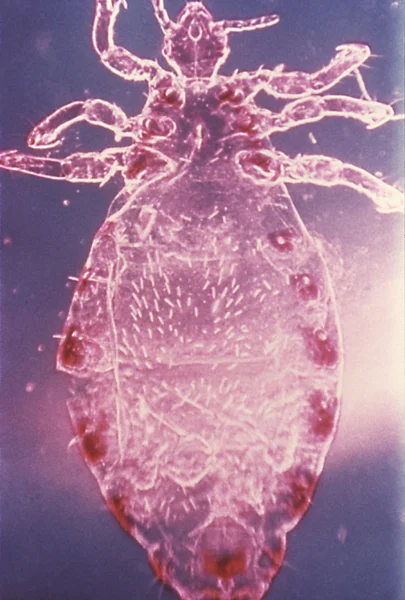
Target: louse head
196, 45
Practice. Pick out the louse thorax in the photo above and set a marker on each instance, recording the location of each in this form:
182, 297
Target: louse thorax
198, 123
196, 45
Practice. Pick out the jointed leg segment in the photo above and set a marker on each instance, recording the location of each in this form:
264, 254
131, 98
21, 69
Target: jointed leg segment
296, 84
272, 167
237, 26
161, 15
315, 108
118, 59
81, 167
48, 133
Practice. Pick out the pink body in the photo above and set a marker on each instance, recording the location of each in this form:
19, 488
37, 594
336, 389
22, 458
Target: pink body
202, 336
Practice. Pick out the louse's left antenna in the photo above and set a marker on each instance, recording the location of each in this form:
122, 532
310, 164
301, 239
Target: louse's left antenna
250, 24
162, 15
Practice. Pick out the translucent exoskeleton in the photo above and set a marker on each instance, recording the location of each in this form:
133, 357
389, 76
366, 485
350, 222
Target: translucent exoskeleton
203, 337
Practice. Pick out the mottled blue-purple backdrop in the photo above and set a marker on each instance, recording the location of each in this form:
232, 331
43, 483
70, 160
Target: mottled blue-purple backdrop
58, 541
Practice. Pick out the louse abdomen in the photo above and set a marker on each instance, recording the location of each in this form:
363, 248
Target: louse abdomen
204, 338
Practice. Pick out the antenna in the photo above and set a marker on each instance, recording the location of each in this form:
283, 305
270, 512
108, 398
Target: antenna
162, 15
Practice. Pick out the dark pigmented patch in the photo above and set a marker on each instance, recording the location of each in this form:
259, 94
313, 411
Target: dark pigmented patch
136, 165
161, 565
284, 240
139, 162
226, 565
72, 348
231, 95
93, 439
322, 348
171, 96
83, 281
305, 285
301, 484
118, 504
152, 127
94, 447
260, 164
323, 413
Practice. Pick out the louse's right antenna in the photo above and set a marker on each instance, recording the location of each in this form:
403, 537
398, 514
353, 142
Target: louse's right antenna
250, 24
162, 15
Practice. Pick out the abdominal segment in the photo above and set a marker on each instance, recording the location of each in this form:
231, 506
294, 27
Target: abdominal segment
207, 383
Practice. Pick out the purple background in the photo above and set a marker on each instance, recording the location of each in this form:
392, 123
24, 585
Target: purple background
57, 539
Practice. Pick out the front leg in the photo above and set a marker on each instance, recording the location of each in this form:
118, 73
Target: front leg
81, 167
348, 59
270, 167
48, 133
118, 59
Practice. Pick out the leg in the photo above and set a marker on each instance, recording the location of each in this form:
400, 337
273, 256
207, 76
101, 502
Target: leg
297, 84
81, 167
325, 171
271, 168
118, 59
314, 108
250, 24
49, 131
